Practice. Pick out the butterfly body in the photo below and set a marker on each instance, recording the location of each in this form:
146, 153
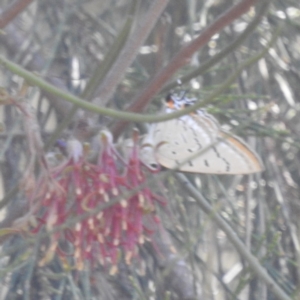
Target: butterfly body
196, 143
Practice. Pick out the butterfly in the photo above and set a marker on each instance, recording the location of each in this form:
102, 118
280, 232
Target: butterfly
196, 143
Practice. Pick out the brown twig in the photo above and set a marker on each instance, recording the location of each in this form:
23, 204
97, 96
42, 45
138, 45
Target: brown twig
12, 11
182, 57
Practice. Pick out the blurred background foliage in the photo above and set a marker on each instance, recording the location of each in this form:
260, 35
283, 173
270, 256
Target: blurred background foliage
192, 258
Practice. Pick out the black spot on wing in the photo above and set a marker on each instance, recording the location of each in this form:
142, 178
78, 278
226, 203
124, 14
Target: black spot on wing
219, 155
216, 151
184, 136
154, 166
196, 139
206, 163
227, 164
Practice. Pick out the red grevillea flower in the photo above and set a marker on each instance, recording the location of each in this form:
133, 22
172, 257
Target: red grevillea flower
78, 188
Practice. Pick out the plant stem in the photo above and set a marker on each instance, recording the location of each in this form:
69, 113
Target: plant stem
129, 116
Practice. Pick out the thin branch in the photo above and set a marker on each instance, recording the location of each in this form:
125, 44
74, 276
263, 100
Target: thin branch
112, 57
128, 116
241, 248
222, 54
12, 11
129, 52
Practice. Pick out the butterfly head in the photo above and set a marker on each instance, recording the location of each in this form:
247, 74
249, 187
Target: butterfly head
177, 102
170, 102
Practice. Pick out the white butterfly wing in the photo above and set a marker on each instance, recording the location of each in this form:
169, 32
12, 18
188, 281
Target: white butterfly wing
244, 160
190, 131
178, 140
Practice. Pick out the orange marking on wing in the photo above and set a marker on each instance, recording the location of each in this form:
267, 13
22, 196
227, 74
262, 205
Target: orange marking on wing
170, 103
244, 149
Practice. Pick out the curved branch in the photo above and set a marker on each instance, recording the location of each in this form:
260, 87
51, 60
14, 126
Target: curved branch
129, 116
13, 41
